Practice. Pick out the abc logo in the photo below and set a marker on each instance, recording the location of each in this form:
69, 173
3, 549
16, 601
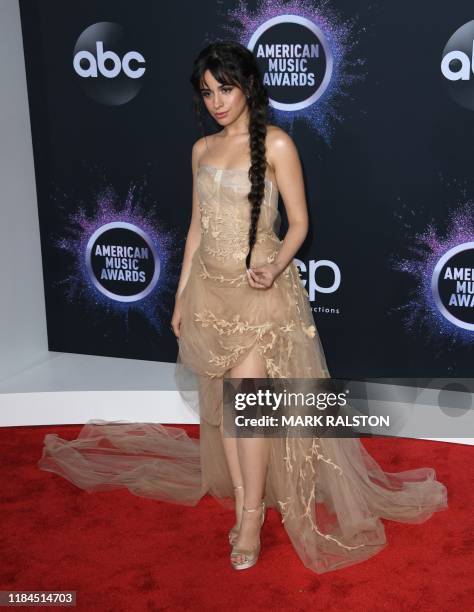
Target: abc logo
457, 65
98, 64
109, 70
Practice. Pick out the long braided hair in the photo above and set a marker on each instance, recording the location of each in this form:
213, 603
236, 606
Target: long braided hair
233, 64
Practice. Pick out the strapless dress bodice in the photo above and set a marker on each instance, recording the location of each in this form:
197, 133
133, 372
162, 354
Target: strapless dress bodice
225, 213
233, 184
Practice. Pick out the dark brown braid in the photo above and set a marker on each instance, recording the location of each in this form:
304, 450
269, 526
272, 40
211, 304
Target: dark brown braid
258, 104
232, 63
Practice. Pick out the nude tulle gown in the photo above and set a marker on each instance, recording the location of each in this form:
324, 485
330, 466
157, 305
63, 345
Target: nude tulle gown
330, 493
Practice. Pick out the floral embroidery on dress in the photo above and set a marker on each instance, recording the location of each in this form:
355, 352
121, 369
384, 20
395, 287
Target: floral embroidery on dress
205, 221
236, 280
281, 340
226, 361
239, 255
225, 327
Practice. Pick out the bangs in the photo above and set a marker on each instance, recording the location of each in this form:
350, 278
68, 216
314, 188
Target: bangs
218, 72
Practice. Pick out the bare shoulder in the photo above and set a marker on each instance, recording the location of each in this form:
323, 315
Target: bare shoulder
200, 146
279, 144
277, 138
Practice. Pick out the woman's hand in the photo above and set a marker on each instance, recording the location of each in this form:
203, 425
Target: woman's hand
176, 318
262, 277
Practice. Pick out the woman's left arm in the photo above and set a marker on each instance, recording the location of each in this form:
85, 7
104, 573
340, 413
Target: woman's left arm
282, 155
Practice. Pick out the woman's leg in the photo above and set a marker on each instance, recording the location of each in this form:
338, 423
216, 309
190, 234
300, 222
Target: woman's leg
232, 456
253, 454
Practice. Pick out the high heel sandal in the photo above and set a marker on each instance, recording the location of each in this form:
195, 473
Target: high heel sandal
234, 532
251, 555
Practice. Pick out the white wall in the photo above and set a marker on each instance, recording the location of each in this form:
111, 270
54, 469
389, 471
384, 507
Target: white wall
23, 340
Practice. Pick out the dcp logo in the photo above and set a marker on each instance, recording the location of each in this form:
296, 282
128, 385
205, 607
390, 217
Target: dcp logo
457, 65
324, 276
109, 69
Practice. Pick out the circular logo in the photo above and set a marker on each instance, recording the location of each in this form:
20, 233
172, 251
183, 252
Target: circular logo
295, 60
122, 261
457, 65
108, 69
455, 399
452, 285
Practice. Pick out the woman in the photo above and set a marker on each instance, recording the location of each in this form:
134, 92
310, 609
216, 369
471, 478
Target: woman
245, 146
241, 312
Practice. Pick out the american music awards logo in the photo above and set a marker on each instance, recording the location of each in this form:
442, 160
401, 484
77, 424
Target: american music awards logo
442, 304
117, 255
452, 285
295, 73
307, 55
122, 261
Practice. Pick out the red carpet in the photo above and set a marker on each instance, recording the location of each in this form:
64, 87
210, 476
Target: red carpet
124, 553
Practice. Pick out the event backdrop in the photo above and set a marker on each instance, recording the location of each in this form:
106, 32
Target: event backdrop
380, 103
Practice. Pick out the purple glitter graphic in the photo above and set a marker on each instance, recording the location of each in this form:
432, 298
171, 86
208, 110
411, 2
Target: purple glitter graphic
428, 247
342, 38
81, 221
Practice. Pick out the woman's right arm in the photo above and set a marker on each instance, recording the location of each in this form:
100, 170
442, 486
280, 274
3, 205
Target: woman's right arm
193, 238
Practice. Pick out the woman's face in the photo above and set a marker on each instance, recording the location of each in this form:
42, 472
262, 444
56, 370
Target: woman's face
224, 102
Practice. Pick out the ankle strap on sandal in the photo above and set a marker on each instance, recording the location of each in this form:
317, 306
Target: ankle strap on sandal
261, 505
